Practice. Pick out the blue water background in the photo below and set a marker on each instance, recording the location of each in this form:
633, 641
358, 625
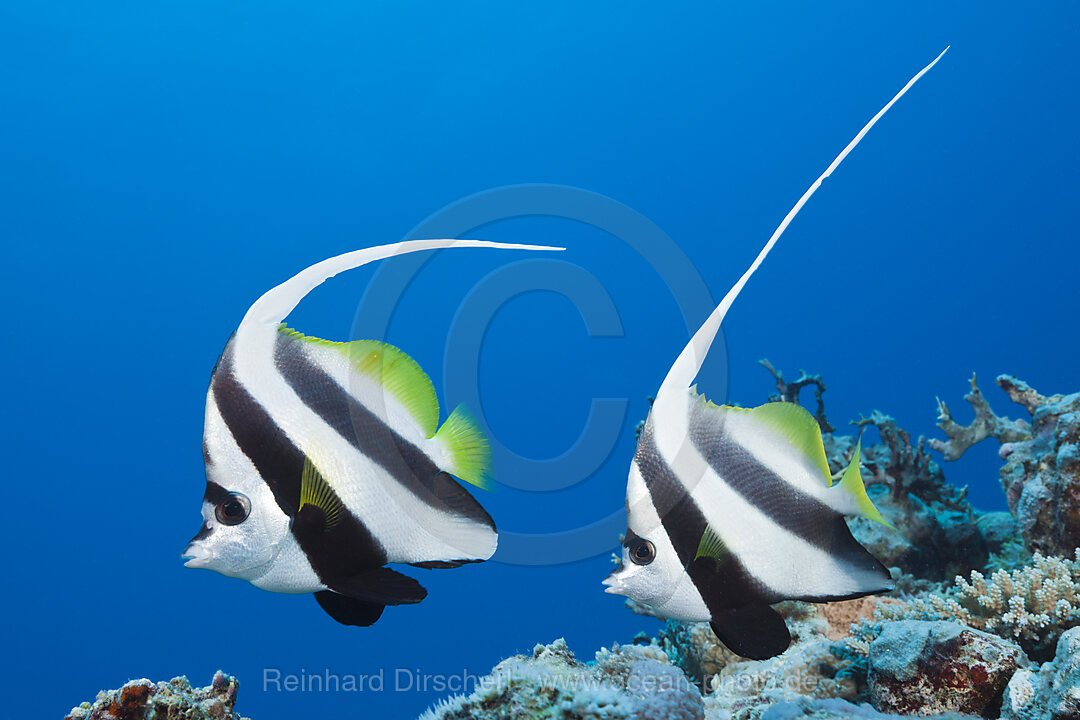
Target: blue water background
165, 163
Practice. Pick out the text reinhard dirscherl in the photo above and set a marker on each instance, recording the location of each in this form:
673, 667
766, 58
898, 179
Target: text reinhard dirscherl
464, 682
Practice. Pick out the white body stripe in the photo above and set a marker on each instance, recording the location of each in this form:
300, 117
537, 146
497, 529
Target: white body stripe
409, 529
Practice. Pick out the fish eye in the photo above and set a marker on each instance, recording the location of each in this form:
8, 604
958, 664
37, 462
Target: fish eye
233, 510
643, 553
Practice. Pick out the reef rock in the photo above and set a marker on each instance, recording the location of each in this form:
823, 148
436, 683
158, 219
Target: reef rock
1041, 476
928, 668
628, 682
146, 700
1050, 693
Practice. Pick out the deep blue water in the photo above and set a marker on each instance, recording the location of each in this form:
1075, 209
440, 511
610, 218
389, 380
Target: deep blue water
164, 163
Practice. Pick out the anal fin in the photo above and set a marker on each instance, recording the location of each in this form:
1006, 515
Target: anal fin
753, 631
381, 586
349, 611
442, 564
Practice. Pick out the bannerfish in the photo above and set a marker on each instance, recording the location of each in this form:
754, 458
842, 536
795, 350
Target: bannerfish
732, 509
325, 460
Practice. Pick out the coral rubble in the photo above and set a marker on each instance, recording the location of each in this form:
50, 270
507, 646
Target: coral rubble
628, 682
146, 700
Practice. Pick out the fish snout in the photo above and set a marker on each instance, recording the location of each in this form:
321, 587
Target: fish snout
197, 555
614, 582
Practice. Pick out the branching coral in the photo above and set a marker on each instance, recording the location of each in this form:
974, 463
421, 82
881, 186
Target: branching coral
986, 424
1032, 605
789, 391
1041, 475
903, 466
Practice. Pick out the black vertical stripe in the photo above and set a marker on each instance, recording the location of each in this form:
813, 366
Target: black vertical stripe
346, 550
371, 435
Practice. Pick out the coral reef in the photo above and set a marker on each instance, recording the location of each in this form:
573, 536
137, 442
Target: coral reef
626, 682
1050, 693
146, 700
1041, 475
927, 668
986, 424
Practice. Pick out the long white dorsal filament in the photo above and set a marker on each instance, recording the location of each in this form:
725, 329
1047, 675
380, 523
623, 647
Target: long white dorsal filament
276, 304
688, 364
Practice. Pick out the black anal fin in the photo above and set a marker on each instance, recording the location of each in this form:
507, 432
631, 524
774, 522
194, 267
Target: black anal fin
381, 586
442, 564
349, 611
753, 631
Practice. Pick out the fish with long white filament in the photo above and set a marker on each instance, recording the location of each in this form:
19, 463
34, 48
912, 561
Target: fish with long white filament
325, 461
730, 510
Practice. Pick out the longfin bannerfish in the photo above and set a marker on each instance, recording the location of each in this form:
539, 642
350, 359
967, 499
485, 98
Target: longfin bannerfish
731, 509
325, 461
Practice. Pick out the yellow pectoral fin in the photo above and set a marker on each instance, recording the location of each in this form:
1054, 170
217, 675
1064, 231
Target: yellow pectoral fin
315, 491
711, 546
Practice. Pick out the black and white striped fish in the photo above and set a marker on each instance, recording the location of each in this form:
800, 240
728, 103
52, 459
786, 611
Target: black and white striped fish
325, 462
730, 509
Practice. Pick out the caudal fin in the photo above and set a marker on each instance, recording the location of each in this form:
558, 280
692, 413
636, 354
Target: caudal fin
466, 447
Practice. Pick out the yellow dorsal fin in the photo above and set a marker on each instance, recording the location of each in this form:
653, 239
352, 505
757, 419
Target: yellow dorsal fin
401, 376
852, 483
394, 370
799, 428
314, 490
